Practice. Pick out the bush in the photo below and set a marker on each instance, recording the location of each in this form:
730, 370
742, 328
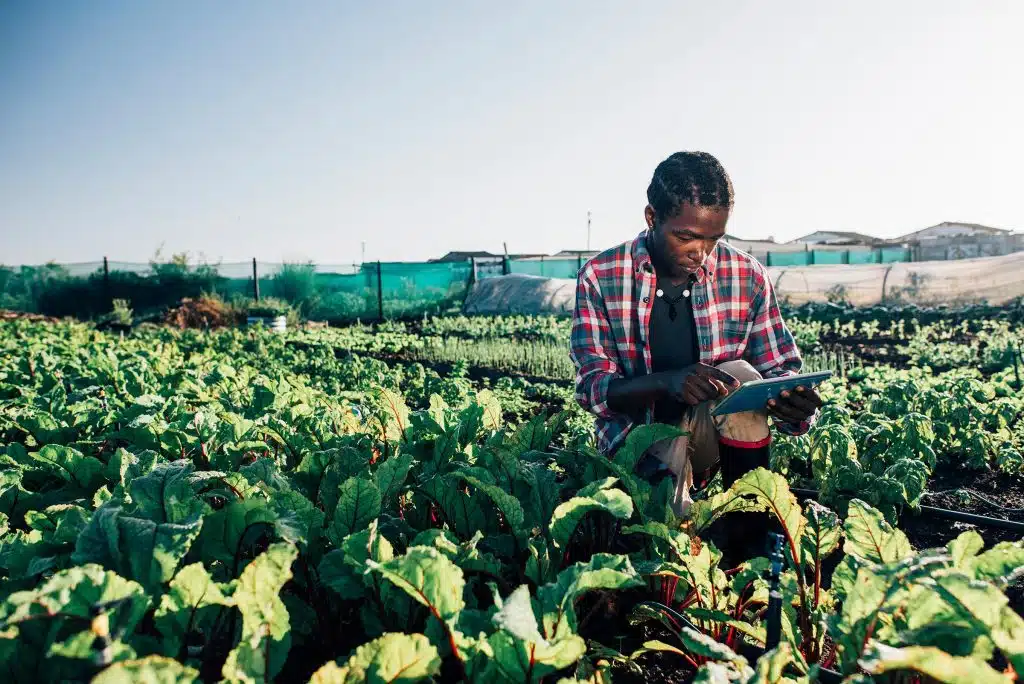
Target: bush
295, 283
206, 311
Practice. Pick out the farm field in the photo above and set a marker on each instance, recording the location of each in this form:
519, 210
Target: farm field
419, 500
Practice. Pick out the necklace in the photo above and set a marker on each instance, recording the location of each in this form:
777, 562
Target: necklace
672, 313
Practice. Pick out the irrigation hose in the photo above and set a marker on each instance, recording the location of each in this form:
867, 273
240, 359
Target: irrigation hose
944, 513
981, 497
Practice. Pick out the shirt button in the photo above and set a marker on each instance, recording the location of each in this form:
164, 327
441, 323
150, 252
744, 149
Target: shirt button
646, 299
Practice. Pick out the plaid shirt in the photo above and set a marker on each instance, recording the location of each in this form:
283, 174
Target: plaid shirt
734, 310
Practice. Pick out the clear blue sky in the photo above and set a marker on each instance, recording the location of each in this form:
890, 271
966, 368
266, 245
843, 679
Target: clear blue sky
297, 130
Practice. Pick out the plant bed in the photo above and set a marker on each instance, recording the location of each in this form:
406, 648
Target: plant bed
1001, 494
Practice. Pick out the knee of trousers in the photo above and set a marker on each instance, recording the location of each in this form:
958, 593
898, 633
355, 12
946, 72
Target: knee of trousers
749, 428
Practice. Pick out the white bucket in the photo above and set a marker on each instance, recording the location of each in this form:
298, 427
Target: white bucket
278, 324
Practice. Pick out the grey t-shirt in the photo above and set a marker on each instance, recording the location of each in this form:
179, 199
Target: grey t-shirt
673, 340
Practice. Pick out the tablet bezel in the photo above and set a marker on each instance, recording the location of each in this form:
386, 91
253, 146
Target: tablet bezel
808, 379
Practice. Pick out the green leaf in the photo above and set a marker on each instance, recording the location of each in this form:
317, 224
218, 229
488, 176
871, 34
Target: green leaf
266, 636
391, 475
393, 414
870, 538
60, 524
502, 500
465, 513
870, 600
492, 413
699, 644
188, 606
602, 571
755, 632
770, 667
723, 673
138, 548
519, 661
152, 669
567, 516
166, 494
516, 616
965, 548
640, 439
66, 606
1001, 565
125, 466
932, 662
772, 491
821, 534
704, 512
358, 505
70, 465
343, 570
392, 658
227, 533
428, 577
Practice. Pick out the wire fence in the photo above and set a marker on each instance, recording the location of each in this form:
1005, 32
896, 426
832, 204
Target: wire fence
340, 292
332, 292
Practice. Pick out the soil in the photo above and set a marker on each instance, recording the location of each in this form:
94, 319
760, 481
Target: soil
606, 624
8, 315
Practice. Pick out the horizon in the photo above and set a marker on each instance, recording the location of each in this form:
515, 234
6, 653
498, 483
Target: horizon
241, 129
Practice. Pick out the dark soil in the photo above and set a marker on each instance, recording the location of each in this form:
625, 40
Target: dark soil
606, 624
926, 531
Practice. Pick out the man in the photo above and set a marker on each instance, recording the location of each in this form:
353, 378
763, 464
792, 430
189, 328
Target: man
669, 322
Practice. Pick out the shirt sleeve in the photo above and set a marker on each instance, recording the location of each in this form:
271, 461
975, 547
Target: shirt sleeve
592, 347
771, 348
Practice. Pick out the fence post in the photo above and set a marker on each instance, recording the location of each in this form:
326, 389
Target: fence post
380, 293
542, 265
106, 283
255, 281
506, 267
885, 280
579, 263
472, 272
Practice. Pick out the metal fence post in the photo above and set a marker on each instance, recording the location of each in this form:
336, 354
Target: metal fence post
380, 293
506, 266
106, 283
255, 281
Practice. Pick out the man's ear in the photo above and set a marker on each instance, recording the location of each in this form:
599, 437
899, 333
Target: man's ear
649, 215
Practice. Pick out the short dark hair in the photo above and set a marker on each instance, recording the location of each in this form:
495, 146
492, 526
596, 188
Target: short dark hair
694, 177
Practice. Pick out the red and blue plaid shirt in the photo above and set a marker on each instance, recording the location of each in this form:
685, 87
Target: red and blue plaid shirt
734, 310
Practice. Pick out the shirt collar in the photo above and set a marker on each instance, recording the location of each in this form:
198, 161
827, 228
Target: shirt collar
642, 260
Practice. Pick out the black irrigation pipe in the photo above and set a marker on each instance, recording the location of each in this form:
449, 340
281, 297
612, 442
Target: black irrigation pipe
944, 513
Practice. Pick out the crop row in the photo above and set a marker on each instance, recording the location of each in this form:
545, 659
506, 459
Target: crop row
228, 506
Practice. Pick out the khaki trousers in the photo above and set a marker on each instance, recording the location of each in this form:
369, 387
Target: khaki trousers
698, 451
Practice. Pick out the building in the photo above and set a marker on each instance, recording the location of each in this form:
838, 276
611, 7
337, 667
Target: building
479, 257
573, 253
949, 230
956, 240
836, 238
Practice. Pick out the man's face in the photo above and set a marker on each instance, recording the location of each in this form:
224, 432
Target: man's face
680, 244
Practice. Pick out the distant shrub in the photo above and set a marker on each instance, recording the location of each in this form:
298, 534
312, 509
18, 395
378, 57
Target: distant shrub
206, 311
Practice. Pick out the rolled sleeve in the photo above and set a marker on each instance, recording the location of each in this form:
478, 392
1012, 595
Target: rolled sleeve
592, 348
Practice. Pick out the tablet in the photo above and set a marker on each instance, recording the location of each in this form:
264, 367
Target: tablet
754, 395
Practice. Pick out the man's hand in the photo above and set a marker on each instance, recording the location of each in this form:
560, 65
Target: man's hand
795, 407
699, 383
